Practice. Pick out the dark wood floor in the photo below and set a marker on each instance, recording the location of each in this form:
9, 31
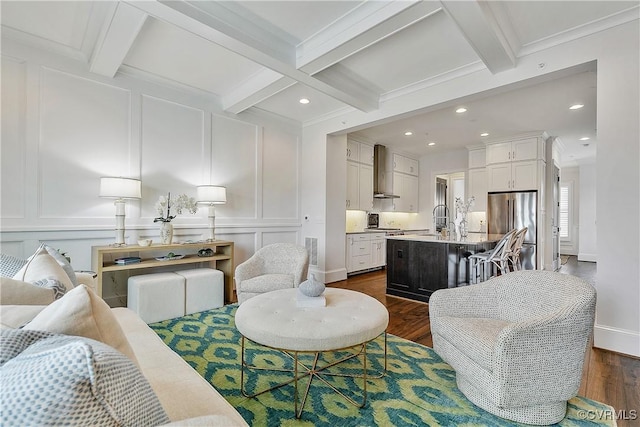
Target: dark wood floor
608, 377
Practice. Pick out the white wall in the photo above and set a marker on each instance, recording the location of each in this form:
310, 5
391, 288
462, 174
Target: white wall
63, 128
571, 176
587, 237
618, 196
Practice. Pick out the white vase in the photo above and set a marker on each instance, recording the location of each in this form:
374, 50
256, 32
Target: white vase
166, 233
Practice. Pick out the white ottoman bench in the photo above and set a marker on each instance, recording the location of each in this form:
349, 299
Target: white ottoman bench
204, 289
155, 297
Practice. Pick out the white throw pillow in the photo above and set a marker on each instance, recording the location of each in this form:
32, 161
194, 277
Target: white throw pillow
82, 313
40, 266
63, 262
17, 292
62, 380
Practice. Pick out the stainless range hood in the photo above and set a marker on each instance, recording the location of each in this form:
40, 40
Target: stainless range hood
379, 184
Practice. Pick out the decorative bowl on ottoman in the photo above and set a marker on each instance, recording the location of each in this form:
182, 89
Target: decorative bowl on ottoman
311, 287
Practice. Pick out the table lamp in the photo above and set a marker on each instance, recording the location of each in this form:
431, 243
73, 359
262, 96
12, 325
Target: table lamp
212, 195
120, 189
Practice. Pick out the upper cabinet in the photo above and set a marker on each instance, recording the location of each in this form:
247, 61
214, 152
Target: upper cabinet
406, 165
359, 176
405, 186
516, 151
477, 178
516, 165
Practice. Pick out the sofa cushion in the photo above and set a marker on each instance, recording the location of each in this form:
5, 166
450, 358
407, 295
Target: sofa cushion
41, 265
10, 265
267, 283
81, 312
17, 292
49, 379
475, 337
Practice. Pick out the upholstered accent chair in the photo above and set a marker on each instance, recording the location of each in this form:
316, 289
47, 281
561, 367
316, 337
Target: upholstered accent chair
517, 342
276, 266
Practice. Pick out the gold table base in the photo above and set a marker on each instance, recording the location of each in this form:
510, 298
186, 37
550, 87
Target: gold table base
314, 371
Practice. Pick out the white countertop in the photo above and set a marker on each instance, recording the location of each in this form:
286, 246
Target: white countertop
472, 238
382, 230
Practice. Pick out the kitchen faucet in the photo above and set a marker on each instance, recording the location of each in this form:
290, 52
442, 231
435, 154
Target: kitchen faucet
437, 223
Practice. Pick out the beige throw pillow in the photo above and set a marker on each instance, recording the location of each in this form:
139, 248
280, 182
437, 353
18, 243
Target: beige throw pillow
40, 266
82, 313
17, 292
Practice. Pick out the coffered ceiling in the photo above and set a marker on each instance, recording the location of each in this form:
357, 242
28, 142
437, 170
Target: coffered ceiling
263, 56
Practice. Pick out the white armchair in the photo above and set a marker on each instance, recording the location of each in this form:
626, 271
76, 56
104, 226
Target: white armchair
276, 266
517, 342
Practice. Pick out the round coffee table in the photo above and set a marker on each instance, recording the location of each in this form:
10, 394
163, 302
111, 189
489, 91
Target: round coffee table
349, 319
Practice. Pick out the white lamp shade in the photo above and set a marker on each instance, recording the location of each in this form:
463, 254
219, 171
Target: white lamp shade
213, 194
120, 188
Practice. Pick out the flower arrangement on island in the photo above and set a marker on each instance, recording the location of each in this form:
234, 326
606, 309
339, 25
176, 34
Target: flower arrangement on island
181, 203
464, 208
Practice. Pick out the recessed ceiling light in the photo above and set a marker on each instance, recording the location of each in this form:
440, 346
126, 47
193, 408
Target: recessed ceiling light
408, 133
584, 138
431, 144
304, 101
576, 106
461, 110
484, 134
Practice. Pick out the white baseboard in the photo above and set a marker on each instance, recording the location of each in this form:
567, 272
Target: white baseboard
329, 276
587, 257
618, 340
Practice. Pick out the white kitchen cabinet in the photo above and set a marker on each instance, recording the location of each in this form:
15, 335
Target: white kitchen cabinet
365, 251
477, 158
353, 185
378, 250
406, 165
359, 187
514, 176
353, 150
405, 186
477, 187
515, 151
365, 175
366, 154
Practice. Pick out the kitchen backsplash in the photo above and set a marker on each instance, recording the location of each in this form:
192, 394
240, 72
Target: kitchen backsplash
357, 220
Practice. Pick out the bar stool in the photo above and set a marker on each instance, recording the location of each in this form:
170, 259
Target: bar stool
482, 263
516, 247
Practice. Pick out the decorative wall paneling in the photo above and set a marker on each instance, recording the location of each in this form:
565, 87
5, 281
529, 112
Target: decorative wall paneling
63, 128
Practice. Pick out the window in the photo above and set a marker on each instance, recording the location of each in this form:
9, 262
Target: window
565, 211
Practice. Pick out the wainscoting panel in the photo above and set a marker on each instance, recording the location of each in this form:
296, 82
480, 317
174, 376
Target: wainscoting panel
280, 175
84, 133
234, 154
269, 237
13, 166
172, 149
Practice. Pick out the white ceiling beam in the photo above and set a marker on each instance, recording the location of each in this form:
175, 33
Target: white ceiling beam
482, 31
259, 87
191, 17
119, 32
363, 27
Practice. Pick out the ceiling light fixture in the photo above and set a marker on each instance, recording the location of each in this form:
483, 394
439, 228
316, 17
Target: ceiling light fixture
408, 133
584, 138
461, 110
484, 134
304, 101
576, 106
431, 144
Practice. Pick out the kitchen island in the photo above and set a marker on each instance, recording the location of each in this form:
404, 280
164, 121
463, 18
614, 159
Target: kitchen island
418, 265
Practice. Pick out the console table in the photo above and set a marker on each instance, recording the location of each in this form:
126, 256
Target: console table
102, 259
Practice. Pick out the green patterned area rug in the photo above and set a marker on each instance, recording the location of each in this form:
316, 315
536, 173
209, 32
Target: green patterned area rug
419, 389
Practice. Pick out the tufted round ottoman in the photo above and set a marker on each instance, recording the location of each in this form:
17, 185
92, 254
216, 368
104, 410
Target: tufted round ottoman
349, 319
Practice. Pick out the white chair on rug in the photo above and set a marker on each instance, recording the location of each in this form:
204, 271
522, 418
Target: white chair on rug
517, 342
276, 266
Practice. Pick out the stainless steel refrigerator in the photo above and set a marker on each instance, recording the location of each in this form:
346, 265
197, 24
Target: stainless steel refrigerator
514, 210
